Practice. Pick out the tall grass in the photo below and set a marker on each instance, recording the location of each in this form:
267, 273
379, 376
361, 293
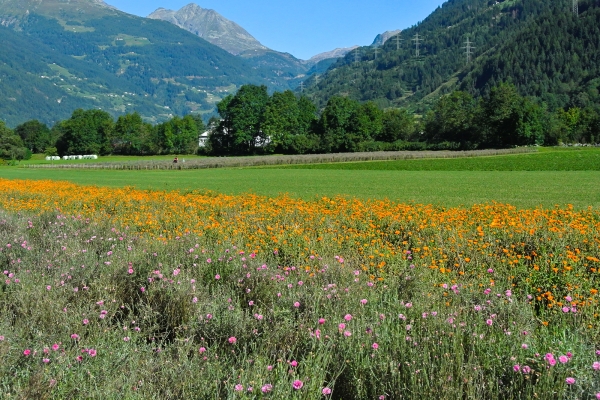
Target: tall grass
376, 300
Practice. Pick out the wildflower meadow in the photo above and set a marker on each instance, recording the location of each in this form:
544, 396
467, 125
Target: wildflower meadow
131, 294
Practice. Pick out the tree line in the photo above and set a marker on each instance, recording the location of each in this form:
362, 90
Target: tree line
96, 132
254, 122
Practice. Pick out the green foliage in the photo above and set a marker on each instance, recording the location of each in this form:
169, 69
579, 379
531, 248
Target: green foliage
86, 132
35, 135
11, 145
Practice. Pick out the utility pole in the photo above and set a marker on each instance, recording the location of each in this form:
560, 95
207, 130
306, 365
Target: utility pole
468, 49
417, 41
576, 8
398, 40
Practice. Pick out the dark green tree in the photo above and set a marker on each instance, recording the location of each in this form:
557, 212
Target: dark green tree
335, 125
398, 124
35, 135
86, 132
452, 119
11, 145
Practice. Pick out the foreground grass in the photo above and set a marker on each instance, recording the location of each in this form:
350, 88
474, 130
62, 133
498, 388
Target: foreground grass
171, 296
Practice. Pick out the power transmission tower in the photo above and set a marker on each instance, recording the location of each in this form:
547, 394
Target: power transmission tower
398, 40
417, 41
576, 8
357, 55
468, 49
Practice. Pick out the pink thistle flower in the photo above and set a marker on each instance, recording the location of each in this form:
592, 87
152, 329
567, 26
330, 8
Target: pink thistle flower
326, 391
26, 352
238, 387
322, 321
55, 346
294, 363
201, 350
267, 388
130, 271
596, 366
232, 340
297, 304
297, 385
563, 359
363, 301
375, 346
516, 368
570, 381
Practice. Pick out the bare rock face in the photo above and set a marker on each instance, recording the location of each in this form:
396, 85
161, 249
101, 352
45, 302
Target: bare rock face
336, 53
383, 37
211, 26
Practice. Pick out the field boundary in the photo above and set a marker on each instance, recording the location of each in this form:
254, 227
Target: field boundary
232, 162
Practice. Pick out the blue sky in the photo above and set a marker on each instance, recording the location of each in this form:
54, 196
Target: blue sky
305, 28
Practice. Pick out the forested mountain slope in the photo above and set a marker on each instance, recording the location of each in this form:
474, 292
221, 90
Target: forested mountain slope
85, 53
503, 40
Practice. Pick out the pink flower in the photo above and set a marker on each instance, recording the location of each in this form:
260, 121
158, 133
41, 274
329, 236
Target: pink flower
322, 321
48, 287
524, 346
375, 346
489, 322
552, 362
294, 363
570, 380
26, 352
516, 368
297, 304
342, 326
267, 388
326, 391
75, 336
598, 395
363, 301
563, 359
565, 309
46, 360
55, 346
92, 352
347, 333
297, 385
232, 340
130, 271
238, 387
269, 368
217, 276
201, 350
142, 289
126, 339
526, 369
596, 366
408, 305
86, 321
348, 317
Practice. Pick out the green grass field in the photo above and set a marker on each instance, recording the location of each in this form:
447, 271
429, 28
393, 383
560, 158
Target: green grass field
554, 177
548, 159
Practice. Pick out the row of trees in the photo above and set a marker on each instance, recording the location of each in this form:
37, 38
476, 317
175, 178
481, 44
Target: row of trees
95, 132
253, 122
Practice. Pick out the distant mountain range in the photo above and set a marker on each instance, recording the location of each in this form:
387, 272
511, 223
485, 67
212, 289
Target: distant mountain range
58, 55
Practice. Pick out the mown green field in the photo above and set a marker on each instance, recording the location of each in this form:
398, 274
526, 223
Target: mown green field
560, 177
547, 159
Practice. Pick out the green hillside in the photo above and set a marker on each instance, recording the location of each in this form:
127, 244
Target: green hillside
539, 45
97, 57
